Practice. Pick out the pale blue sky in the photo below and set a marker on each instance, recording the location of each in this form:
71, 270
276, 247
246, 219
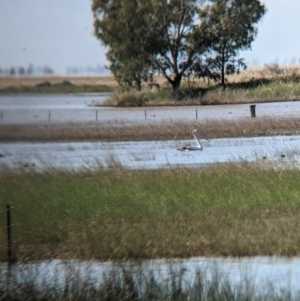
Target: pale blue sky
59, 33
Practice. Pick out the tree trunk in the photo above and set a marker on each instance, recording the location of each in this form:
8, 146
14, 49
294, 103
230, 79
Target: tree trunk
176, 82
223, 69
138, 84
175, 85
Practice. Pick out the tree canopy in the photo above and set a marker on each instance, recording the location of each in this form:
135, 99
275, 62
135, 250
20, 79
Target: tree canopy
178, 43
121, 25
175, 37
231, 23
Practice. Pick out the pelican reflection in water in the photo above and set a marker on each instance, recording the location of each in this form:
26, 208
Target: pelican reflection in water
197, 136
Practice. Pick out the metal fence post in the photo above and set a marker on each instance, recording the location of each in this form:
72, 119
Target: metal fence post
8, 227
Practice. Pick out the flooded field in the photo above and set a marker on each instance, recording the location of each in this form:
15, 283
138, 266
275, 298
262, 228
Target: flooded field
281, 272
81, 108
148, 154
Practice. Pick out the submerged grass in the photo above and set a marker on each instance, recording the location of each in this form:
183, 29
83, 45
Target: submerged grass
238, 210
137, 283
171, 130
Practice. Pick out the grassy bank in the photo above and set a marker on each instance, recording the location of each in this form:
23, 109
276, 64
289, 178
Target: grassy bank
238, 210
269, 83
254, 85
172, 130
59, 88
62, 88
250, 91
56, 84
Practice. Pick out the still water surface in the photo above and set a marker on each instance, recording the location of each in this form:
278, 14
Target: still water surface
50, 101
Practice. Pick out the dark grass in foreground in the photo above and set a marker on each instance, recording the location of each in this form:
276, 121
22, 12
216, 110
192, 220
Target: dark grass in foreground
172, 130
233, 209
138, 284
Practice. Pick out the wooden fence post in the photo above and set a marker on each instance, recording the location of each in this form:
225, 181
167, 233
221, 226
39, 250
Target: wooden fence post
252, 109
145, 115
49, 116
196, 114
1, 116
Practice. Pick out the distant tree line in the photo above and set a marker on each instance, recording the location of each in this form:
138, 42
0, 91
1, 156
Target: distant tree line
98, 69
33, 70
175, 38
30, 70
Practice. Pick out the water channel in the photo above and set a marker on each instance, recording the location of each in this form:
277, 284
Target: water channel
83, 108
148, 154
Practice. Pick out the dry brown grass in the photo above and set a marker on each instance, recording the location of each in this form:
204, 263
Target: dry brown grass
267, 71
164, 131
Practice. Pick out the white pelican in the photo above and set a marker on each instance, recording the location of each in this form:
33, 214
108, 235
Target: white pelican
189, 147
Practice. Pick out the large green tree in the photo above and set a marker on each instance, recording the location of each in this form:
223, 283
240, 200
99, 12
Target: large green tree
172, 36
149, 34
232, 26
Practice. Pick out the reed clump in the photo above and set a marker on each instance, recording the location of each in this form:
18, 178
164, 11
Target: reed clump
223, 210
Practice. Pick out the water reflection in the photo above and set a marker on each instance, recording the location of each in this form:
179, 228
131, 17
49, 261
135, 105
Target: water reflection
51, 101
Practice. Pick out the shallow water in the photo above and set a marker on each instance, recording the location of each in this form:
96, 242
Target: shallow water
81, 108
148, 154
50, 101
281, 272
